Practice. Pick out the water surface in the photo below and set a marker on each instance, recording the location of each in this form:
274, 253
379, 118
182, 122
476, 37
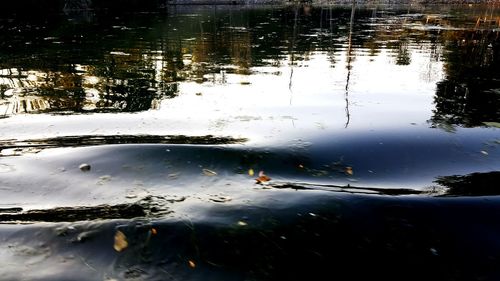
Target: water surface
159, 122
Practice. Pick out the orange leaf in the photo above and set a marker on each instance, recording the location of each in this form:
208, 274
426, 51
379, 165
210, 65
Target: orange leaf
262, 178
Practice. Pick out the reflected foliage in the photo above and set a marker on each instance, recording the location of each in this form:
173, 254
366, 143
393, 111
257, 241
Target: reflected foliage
470, 94
95, 61
476, 184
102, 61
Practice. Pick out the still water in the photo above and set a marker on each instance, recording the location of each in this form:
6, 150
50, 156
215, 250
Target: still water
156, 124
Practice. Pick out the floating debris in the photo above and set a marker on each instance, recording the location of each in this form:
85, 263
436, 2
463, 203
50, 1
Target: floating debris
242, 223
484, 152
349, 171
262, 178
209, 173
191, 264
84, 167
120, 241
154, 231
434, 251
251, 172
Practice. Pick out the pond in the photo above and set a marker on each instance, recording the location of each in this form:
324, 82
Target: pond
241, 142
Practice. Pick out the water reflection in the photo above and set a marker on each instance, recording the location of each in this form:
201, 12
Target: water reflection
469, 95
475, 184
133, 62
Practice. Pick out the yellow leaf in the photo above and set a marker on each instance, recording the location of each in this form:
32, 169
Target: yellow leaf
251, 172
120, 241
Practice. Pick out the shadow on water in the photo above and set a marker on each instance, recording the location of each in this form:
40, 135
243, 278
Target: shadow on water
147, 208
389, 237
78, 141
349, 189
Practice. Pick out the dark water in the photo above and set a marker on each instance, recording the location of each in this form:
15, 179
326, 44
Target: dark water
378, 127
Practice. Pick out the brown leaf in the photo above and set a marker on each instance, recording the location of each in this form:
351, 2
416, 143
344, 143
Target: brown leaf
191, 264
349, 171
120, 241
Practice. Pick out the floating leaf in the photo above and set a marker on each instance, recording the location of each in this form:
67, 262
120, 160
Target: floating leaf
154, 231
251, 172
349, 171
120, 241
209, 173
262, 178
191, 264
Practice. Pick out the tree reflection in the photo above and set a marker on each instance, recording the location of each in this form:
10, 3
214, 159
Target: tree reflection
468, 96
138, 60
475, 184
